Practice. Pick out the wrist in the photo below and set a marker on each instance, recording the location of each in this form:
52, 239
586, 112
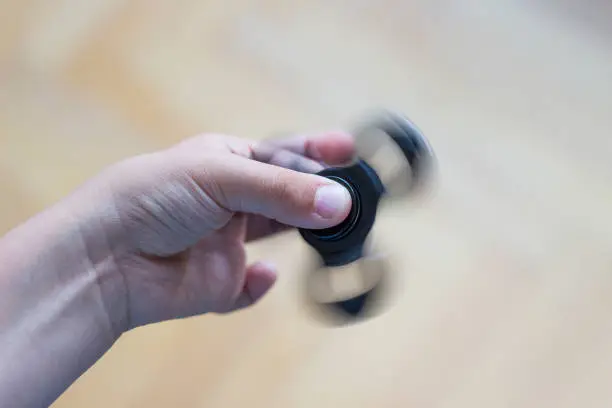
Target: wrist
100, 244
55, 287
64, 256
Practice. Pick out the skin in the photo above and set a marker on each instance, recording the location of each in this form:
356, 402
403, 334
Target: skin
156, 237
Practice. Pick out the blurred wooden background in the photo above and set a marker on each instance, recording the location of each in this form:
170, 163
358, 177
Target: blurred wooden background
507, 283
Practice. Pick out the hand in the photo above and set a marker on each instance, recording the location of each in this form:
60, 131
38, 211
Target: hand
183, 217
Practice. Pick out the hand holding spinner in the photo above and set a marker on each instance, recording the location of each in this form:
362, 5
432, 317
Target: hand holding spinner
345, 244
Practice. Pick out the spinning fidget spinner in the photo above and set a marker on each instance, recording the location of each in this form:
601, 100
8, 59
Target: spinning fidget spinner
344, 245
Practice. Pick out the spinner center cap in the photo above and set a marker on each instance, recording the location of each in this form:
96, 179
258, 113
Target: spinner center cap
343, 243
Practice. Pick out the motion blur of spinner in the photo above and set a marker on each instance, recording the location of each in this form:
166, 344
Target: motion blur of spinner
369, 185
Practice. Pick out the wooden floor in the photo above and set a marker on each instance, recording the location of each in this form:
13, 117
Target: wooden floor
506, 289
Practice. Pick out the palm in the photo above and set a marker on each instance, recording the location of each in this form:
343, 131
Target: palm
208, 277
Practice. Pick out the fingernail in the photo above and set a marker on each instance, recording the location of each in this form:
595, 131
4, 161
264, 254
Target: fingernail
332, 200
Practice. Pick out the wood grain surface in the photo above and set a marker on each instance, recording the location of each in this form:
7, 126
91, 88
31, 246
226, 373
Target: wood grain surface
506, 270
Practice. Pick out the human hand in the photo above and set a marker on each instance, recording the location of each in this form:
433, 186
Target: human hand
183, 217
155, 237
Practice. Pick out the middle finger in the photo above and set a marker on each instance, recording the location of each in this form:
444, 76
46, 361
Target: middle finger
276, 155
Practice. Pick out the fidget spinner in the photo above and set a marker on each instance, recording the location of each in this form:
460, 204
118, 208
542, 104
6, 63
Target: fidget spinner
342, 249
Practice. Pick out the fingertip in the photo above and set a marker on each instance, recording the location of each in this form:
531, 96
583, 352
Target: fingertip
333, 147
260, 278
333, 203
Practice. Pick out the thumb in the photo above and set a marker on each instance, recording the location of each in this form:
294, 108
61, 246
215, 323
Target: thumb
298, 199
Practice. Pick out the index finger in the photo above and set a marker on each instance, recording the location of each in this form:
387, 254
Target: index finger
332, 148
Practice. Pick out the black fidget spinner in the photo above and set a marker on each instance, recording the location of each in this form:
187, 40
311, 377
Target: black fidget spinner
344, 245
